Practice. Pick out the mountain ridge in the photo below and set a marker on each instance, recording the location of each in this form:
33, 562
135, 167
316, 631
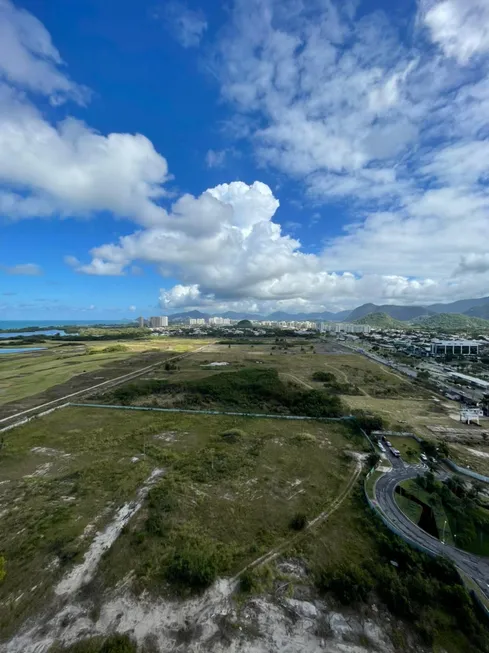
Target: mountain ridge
476, 307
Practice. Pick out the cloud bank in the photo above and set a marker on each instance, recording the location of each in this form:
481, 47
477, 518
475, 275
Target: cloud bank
352, 108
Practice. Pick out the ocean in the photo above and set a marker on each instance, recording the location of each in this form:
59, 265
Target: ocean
15, 325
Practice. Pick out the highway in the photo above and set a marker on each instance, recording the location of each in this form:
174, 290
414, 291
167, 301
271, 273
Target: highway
474, 566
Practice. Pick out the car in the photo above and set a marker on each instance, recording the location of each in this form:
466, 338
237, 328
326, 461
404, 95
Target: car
388, 443
424, 458
396, 453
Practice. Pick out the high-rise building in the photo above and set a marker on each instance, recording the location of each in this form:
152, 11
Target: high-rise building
219, 321
141, 322
194, 321
158, 321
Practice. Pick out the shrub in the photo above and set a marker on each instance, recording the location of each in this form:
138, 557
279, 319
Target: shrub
111, 644
2, 568
349, 583
298, 522
196, 564
233, 435
256, 580
324, 377
115, 348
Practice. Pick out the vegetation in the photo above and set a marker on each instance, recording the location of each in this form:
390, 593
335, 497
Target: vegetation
244, 324
298, 521
381, 321
425, 591
450, 322
2, 568
468, 519
111, 644
333, 386
248, 390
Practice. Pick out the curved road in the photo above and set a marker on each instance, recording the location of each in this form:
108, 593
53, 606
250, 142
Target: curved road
474, 566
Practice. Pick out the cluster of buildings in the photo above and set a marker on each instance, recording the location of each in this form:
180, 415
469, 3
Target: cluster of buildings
156, 322
342, 327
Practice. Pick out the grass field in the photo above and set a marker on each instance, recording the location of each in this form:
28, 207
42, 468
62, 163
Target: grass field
24, 375
441, 517
65, 476
177, 345
409, 448
475, 457
409, 508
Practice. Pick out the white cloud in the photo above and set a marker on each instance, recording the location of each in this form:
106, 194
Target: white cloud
187, 25
215, 158
229, 253
337, 103
132, 308
25, 269
65, 169
28, 58
70, 169
459, 27
473, 264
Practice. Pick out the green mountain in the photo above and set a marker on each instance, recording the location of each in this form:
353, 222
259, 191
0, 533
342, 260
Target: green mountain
453, 322
381, 321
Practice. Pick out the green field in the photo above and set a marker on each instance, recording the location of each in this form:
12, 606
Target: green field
441, 517
24, 375
409, 508
409, 448
231, 496
222, 493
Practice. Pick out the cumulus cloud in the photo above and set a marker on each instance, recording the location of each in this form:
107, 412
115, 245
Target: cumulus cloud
228, 252
132, 308
65, 169
459, 27
336, 102
187, 25
24, 269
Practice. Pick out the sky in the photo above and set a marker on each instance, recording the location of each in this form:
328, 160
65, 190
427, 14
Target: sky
250, 155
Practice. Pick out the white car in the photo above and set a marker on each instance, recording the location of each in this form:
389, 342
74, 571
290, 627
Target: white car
424, 458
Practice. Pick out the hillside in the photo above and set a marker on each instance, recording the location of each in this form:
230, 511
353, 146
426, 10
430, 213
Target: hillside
381, 321
403, 313
464, 306
481, 311
454, 322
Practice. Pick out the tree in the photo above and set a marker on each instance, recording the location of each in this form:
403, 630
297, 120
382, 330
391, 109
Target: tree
2, 568
373, 459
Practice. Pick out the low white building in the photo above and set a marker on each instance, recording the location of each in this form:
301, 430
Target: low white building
455, 347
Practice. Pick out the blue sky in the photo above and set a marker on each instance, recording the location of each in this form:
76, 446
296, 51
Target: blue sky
160, 156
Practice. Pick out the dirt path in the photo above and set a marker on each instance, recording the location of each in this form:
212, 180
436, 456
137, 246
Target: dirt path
347, 380
388, 371
297, 380
276, 551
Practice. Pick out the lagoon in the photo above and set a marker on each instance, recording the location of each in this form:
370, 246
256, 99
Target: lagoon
18, 350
